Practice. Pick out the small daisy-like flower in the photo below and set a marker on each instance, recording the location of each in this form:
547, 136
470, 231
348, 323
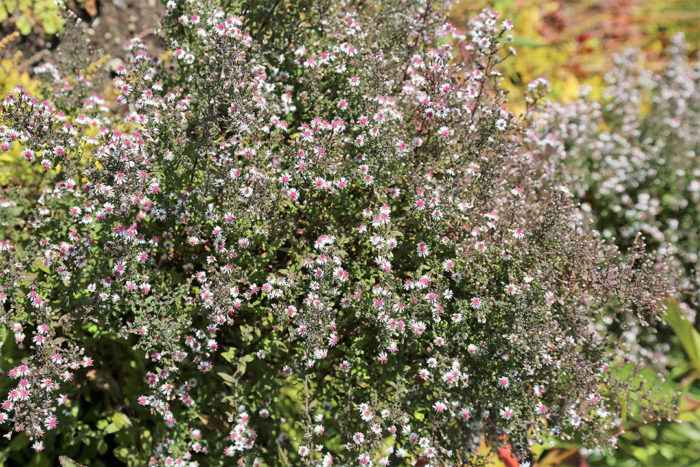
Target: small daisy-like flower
506, 413
439, 407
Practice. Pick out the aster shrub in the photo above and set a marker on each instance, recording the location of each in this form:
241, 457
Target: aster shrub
634, 158
326, 241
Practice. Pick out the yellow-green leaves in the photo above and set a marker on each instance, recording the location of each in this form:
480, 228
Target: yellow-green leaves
31, 13
689, 337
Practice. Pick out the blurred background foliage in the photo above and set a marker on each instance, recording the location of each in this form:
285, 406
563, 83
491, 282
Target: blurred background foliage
11, 76
31, 14
570, 42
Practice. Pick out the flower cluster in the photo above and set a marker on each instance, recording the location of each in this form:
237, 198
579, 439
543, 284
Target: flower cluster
329, 241
633, 158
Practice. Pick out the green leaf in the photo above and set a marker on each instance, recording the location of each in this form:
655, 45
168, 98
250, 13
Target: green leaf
229, 354
51, 22
40, 265
120, 420
68, 462
23, 25
241, 368
640, 454
228, 378
111, 428
282, 456
689, 337
10, 6
20, 442
122, 454
101, 446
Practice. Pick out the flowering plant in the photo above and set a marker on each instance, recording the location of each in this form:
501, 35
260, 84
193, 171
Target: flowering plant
327, 242
634, 158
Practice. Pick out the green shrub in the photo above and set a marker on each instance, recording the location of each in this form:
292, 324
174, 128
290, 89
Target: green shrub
307, 242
